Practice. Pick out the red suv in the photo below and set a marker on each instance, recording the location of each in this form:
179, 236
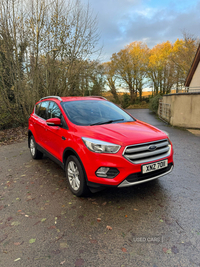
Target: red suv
97, 143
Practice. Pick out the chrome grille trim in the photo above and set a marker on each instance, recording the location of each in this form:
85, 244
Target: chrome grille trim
130, 150
145, 155
139, 153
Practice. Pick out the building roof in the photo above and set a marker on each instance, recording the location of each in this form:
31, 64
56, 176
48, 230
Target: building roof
193, 68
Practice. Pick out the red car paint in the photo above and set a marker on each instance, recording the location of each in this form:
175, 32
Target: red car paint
57, 140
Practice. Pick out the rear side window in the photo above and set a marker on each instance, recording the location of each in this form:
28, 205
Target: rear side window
53, 111
42, 112
37, 108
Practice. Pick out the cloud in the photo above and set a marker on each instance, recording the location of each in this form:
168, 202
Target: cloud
124, 21
165, 25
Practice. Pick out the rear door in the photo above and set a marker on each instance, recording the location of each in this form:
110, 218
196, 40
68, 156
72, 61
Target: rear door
40, 125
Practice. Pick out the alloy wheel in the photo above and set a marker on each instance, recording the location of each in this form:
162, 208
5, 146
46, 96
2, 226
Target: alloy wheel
73, 175
32, 147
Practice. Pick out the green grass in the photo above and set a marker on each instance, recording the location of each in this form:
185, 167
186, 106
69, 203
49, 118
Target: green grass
136, 106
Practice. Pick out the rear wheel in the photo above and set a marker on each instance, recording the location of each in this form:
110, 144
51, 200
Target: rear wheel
76, 177
35, 153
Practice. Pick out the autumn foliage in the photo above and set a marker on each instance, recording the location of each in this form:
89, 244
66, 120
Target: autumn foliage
162, 68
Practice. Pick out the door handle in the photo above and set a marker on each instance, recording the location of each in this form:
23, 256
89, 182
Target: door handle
63, 138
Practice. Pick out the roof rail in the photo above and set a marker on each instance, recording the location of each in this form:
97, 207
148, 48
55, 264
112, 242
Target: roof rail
52, 96
94, 96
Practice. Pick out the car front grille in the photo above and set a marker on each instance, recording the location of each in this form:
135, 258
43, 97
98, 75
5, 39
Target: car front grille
147, 152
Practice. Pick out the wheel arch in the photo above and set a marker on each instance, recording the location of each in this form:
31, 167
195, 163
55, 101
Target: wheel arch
71, 152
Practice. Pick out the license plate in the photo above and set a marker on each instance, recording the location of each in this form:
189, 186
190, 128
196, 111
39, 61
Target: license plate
154, 166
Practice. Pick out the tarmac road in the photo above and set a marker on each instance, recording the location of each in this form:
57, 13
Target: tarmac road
153, 224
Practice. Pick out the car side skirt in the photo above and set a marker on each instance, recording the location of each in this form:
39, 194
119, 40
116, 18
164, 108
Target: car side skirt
50, 156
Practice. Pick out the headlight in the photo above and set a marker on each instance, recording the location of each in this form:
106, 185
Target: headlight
100, 146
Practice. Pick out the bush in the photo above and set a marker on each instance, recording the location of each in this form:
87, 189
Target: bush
126, 100
146, 99
142, 105
6, 120
10, 119
154, 103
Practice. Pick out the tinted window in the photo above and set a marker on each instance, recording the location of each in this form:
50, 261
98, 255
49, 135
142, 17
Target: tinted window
43, 109
53, 110
88, 112
37, 107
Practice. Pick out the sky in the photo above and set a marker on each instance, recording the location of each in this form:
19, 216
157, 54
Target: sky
121, 22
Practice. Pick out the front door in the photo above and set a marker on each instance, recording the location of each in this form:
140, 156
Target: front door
56, 136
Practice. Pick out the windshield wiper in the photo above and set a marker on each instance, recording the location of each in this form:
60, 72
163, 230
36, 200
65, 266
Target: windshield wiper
105, 122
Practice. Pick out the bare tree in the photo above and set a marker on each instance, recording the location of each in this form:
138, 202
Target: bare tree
44, 45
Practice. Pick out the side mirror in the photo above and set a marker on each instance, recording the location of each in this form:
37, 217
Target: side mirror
53, 122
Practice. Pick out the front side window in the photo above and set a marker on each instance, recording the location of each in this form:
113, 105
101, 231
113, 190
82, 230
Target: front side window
54, 111
42, 112
94, 112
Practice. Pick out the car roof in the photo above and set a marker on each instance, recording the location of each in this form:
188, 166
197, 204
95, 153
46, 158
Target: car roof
70, 98
73, 98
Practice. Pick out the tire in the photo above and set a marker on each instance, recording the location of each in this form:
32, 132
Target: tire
76, 177
35, 153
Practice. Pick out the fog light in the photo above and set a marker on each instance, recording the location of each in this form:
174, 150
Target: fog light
106, 172
102, 172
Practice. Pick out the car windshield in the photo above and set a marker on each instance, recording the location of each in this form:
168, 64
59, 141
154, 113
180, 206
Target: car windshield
94, 112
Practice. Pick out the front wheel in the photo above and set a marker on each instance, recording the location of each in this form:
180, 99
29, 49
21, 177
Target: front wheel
76, 177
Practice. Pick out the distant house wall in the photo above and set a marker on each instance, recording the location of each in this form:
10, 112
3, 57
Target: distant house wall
182, 110
193, 78
195, 82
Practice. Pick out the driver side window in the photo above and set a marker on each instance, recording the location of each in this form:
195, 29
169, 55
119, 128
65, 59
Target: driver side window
53, 111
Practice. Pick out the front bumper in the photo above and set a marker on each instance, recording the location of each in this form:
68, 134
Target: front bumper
129, 173
138, 178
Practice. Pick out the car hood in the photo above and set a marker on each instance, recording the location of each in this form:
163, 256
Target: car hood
127, 133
